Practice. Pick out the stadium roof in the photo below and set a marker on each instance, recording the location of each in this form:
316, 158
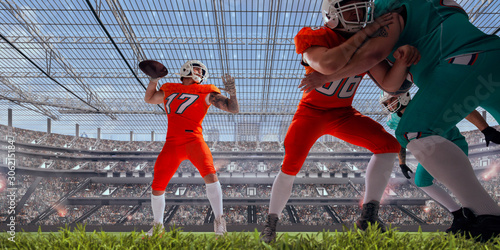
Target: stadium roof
76, 62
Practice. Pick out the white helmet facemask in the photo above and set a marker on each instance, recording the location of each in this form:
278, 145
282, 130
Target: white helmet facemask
188, 70
399, 103
333, 14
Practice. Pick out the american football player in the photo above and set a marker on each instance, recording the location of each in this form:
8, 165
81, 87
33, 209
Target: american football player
461, 215
186, 105
327, 109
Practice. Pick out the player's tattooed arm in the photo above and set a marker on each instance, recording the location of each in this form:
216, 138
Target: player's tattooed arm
330, 60
382, 32
364, 57
224, 103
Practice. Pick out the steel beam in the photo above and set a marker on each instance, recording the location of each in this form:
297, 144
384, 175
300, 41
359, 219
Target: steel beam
53, 54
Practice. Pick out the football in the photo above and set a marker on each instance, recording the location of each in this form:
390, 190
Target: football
153, 68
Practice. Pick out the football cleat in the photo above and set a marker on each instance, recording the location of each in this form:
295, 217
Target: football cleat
463, 219
220, 226
369, 216
486, 227
269, 233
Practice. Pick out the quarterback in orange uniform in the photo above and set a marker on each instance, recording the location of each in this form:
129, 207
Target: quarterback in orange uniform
186, 105
328, 110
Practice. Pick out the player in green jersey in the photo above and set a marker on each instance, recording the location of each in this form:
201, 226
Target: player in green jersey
396, 106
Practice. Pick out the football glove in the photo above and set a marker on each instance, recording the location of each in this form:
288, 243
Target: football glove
405, 169
491, 135
229, 85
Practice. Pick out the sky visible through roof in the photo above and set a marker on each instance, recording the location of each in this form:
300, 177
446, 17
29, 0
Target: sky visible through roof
64, 59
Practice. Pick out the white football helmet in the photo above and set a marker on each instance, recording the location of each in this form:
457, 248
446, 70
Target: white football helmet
333, 14
397, 104
187, 70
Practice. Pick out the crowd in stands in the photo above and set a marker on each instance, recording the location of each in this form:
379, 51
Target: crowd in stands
395, 216
404, 189
347, 214
246, 145
106, 215
143, 216
314, 215
92, 190
432, 213
47, 192
269, 146
65, 215
131, 190
189, 215
474, 137
21, 185
236, 215
85, 143
50, 190
340, 191
491, 184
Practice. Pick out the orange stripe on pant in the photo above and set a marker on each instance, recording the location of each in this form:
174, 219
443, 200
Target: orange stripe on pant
346, 124
174, 152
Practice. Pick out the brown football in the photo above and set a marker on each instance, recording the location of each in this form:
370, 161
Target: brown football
153, 68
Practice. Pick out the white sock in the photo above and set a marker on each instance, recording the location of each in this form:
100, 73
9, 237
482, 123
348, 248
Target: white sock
441, 196
446, 162
158, 206
377, 176
214, 194
280, 192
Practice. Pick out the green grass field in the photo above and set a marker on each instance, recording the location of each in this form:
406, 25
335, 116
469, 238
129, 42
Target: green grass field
176, 239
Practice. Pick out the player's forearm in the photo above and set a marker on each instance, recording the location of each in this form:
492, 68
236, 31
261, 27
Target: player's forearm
394, 77
475, 118
402, 156
373, 51
352, 68
335, 59
232, 104
150, 92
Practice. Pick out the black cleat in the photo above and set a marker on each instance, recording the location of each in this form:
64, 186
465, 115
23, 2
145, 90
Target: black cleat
269, 233
486, 227
369, 215
463, 219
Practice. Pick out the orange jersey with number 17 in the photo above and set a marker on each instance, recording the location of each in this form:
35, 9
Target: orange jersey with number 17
186, 107
336, 94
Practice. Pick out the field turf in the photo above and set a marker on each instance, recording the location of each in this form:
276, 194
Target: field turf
176, 239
